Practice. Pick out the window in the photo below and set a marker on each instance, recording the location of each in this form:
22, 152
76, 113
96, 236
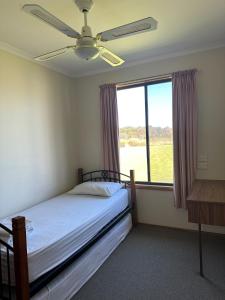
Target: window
145, 128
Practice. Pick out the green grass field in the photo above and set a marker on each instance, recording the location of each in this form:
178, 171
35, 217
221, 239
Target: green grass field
161, 161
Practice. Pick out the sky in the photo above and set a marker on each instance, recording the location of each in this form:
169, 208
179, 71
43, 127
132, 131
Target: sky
131, 106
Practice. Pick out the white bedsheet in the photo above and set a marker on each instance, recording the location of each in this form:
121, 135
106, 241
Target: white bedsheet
64, 223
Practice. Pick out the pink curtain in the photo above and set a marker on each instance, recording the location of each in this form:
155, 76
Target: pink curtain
184, 134
109, 127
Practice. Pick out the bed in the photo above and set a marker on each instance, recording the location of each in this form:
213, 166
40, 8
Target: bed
59, 252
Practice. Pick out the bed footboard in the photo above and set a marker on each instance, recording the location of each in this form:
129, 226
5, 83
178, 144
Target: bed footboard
20, 258
19, 254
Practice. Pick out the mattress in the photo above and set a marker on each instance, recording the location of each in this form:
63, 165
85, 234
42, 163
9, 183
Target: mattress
68, 283
64, 224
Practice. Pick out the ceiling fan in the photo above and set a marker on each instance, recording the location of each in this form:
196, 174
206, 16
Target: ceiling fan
87, 46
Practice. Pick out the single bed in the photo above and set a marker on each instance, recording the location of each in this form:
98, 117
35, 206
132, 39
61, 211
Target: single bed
68, 230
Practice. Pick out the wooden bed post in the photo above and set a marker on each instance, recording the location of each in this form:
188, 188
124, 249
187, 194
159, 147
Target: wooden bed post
20, 258
80, 177
133, 197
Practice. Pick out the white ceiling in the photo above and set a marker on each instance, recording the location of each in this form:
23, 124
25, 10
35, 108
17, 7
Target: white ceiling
183, 26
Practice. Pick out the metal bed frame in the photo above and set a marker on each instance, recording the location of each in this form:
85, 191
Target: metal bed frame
25, 290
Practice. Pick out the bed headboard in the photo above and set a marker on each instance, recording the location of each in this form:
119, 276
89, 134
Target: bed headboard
103, 175
113, 176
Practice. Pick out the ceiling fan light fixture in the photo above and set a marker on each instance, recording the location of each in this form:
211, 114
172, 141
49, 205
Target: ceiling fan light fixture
87, 52
86, 48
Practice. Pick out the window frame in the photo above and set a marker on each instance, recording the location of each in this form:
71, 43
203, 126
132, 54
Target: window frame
145, 84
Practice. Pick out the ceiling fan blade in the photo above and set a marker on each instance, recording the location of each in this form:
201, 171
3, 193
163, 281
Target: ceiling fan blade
53, 54
110, 57
140, 26
47, 17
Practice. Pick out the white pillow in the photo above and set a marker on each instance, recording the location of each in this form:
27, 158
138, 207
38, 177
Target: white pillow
96, 188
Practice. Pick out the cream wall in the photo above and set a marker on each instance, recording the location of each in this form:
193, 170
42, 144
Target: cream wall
36, 140
156, 207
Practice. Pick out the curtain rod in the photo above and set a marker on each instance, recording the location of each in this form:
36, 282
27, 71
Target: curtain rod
140, 80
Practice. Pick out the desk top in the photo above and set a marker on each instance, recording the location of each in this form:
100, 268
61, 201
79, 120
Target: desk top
209, 191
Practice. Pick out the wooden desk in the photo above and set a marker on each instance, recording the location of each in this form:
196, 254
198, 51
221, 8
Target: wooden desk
206, 205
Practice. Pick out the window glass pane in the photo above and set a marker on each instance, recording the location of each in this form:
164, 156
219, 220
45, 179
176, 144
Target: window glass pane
131, 109
160, 132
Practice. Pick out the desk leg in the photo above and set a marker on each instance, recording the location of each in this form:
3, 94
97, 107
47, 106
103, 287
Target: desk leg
200, 249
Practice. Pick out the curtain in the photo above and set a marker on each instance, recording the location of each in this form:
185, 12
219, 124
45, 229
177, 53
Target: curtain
109, 127
184, 134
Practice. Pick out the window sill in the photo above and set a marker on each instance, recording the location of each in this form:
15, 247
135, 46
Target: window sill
154, 187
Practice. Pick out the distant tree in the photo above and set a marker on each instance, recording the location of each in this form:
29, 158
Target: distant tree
127, 133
